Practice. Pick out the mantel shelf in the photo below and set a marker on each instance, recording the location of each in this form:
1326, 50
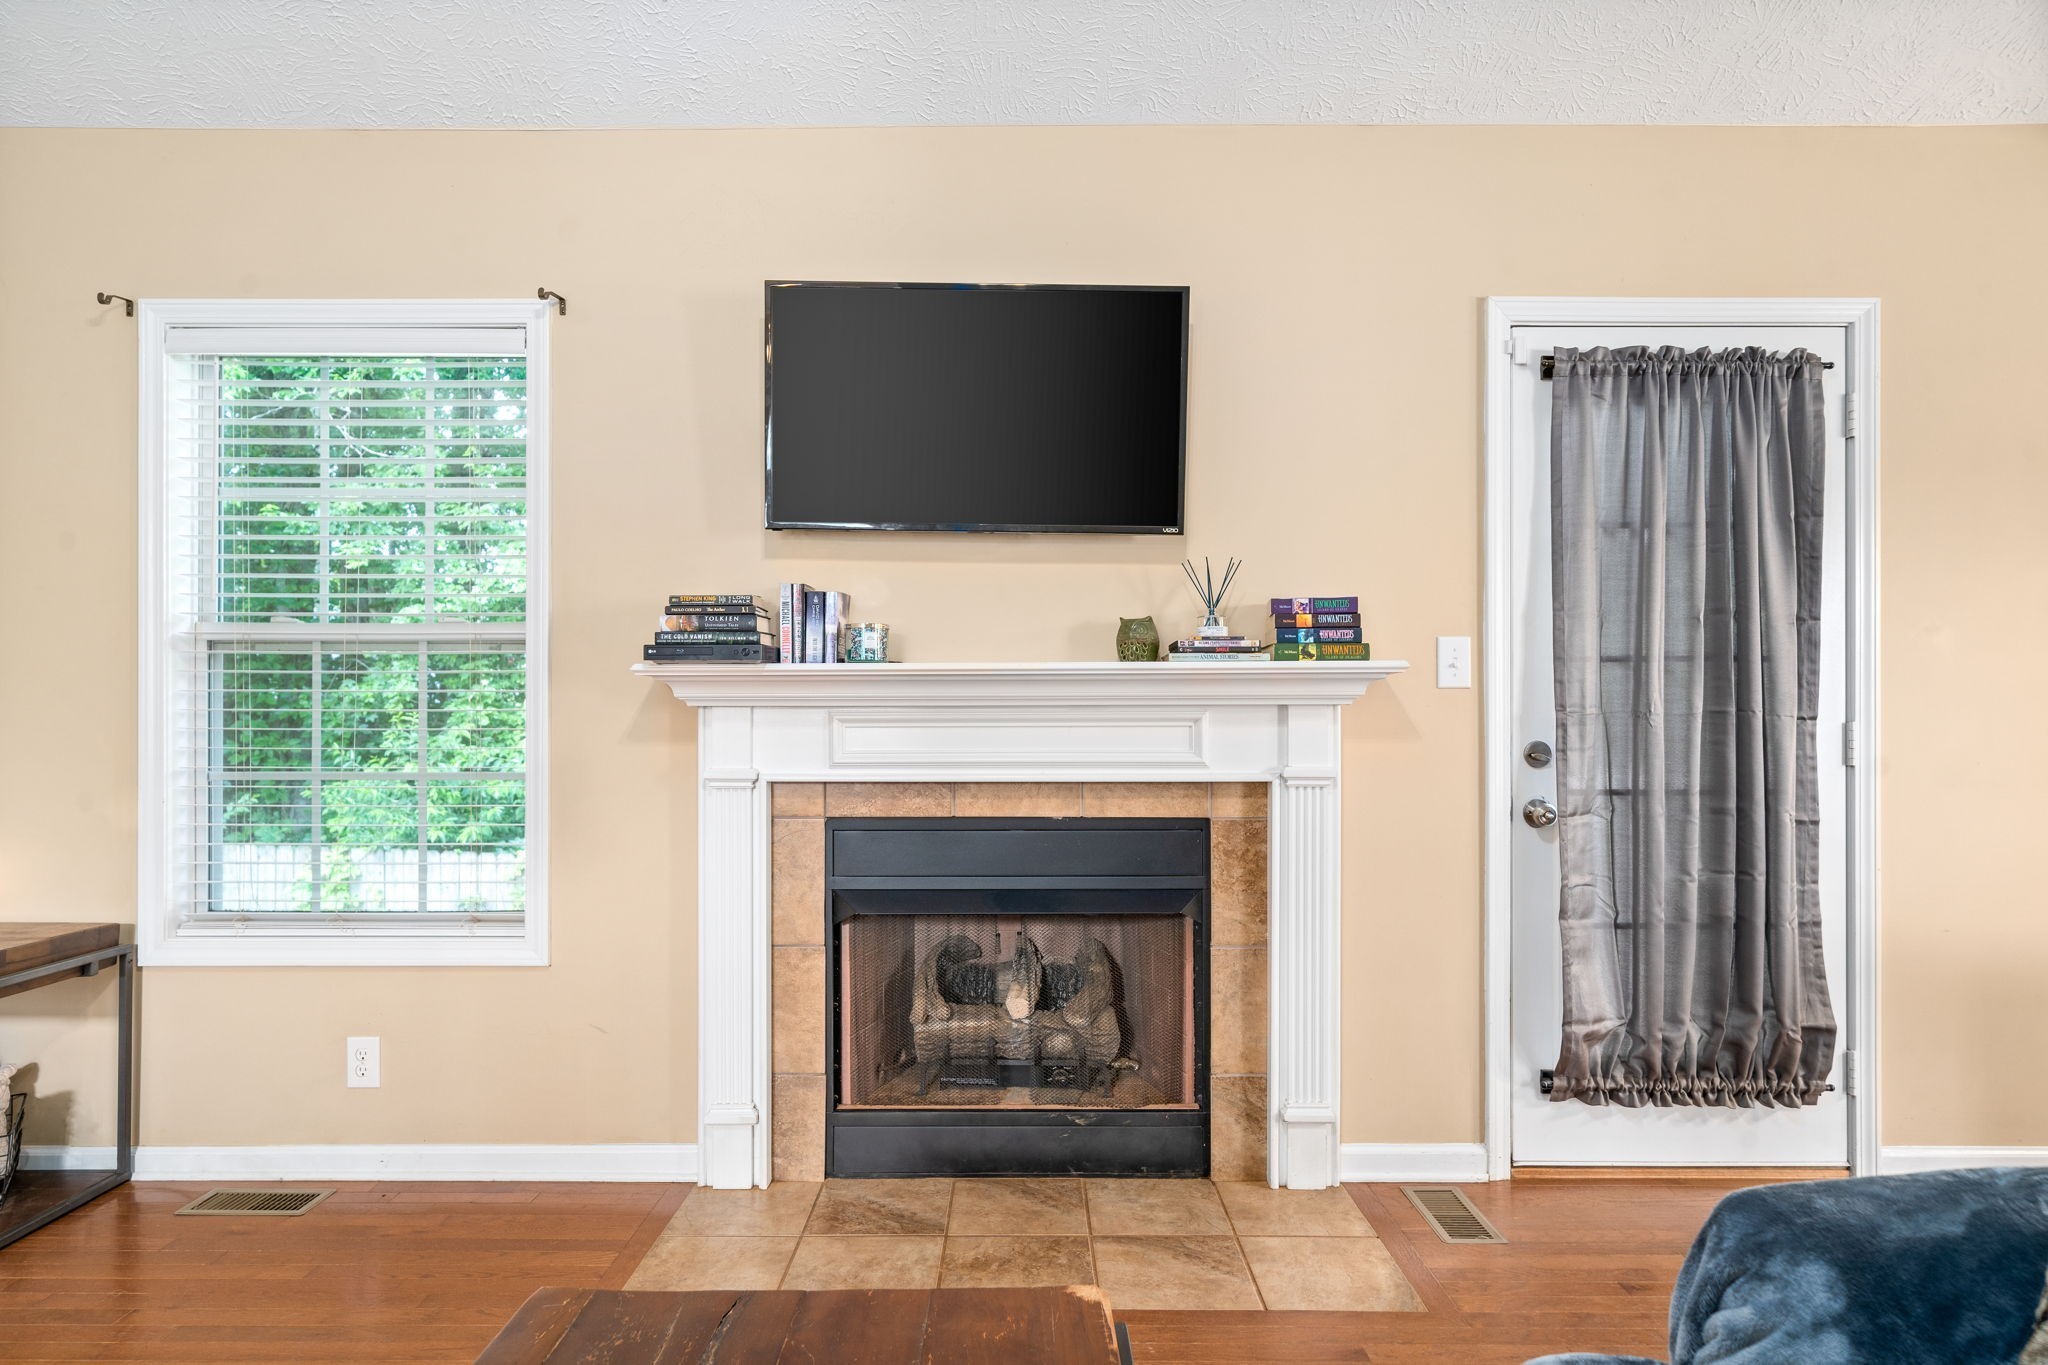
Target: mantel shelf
1325, 683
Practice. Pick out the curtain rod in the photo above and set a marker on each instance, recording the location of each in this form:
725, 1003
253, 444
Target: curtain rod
1547, 368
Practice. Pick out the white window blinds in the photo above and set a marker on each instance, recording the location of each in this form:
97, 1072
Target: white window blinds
346, 573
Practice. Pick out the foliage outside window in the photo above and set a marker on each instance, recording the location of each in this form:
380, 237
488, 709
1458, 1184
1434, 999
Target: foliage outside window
360, 588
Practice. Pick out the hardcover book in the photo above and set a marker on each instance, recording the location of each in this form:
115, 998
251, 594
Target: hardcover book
709, 653
792, 621
1311, 618
814, 628
1195, 656
1215, 647
684, 601
1328, 635
1289, 606
1314, 650
836, 604
714, 620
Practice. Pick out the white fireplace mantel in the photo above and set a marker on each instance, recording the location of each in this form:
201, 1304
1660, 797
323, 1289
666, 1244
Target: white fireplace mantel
1055, 722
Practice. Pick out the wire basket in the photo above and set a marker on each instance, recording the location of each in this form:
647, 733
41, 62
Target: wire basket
17, 1106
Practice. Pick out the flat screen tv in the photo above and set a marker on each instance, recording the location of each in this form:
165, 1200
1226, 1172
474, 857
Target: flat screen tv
952, 407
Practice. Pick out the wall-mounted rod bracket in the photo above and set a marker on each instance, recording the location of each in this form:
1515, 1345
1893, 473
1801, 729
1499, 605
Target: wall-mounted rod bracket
561, 304
118, 298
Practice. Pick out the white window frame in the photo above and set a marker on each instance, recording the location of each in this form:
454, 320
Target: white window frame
165, 935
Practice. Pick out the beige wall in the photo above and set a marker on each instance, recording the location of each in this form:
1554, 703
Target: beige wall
1337, 276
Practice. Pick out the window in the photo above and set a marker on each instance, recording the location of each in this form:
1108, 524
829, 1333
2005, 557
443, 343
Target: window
344, 633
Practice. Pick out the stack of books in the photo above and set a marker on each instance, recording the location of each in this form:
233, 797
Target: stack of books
811, 624
713, 628
1307, 628
1216, 649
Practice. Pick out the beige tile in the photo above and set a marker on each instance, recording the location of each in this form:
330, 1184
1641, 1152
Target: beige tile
888, 798
1016, 1262
862, 1208
1017, 1208
1148, 800
1045, 799
714, 1263
781, 1210
1237, 881
1329, 1275
1155, 1208
797, 884
1174, 1273
866, 1262
1237, 1127
799, 1037
1237, 1011
1238, 800
1258, 1211
798, 1141
797, 799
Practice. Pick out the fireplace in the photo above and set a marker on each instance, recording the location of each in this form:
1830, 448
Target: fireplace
1017, 997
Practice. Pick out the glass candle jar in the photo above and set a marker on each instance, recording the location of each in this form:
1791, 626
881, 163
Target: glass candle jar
867, 642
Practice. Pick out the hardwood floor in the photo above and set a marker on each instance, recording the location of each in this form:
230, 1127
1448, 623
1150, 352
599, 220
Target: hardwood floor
409, 1272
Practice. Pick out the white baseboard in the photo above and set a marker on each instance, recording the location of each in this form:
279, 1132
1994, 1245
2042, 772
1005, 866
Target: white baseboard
652, 1162
1904, 1160
1426, 1162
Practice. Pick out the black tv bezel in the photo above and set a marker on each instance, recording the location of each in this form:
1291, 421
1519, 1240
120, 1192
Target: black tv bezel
768, 519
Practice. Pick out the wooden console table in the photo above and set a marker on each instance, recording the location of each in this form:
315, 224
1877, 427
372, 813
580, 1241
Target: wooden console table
846, 1326
33, 955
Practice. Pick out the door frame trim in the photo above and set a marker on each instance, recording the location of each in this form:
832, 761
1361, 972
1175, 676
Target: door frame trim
1859, 316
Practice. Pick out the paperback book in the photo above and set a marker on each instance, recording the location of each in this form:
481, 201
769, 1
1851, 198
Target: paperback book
1328, 635
1313, 650
1317, 619
1315, 606
727, 601
1215, 656
713, 637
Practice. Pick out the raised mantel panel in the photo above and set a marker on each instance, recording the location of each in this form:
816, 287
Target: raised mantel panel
1103, 722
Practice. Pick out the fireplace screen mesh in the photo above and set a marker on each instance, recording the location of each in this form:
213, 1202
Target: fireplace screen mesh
1065, 1011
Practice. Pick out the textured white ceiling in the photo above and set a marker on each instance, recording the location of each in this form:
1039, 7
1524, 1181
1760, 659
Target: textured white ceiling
672, 63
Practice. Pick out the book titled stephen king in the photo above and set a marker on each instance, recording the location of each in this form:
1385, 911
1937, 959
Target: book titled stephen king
1315, 650
714, 620
708, 653
713, 637
732, 601
1327, 635
1317, 619
1315, 606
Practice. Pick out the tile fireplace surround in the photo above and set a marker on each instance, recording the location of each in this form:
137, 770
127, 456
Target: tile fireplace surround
1043, 731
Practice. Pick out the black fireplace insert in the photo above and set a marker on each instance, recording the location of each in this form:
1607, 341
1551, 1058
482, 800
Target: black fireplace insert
1017, 997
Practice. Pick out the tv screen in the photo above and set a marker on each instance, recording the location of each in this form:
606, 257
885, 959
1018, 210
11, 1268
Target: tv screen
938, 407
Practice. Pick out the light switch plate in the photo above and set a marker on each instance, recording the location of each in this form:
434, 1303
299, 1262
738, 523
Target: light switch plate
1453, 661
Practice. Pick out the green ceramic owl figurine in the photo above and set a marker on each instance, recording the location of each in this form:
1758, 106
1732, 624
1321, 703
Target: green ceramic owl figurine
1137, 640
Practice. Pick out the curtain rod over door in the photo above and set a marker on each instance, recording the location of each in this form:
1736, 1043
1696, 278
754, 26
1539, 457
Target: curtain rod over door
1547, 367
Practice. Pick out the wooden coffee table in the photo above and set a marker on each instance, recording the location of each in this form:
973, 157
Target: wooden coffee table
1070, 1326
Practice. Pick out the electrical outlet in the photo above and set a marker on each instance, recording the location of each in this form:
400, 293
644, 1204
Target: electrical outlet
365, 1064
1453, 661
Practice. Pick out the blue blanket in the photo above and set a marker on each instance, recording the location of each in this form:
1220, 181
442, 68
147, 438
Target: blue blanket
1936, 1269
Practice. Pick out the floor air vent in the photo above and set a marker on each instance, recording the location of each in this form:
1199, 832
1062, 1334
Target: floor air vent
271, 1203
1451, 1215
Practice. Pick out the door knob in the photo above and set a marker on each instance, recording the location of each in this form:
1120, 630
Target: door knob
1539, 814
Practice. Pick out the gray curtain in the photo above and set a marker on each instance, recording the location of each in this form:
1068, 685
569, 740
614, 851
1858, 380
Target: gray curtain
1686, 515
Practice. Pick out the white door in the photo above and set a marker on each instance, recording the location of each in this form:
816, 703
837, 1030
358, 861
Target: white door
1546, 1133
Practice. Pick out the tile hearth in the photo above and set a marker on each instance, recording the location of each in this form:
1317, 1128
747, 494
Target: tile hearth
1150, 1244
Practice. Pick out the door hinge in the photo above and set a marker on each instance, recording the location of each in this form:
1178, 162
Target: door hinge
1849, 1073
1848, 743
1849, 416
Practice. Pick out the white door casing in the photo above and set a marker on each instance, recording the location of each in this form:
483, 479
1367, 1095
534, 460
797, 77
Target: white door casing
1527, 1127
